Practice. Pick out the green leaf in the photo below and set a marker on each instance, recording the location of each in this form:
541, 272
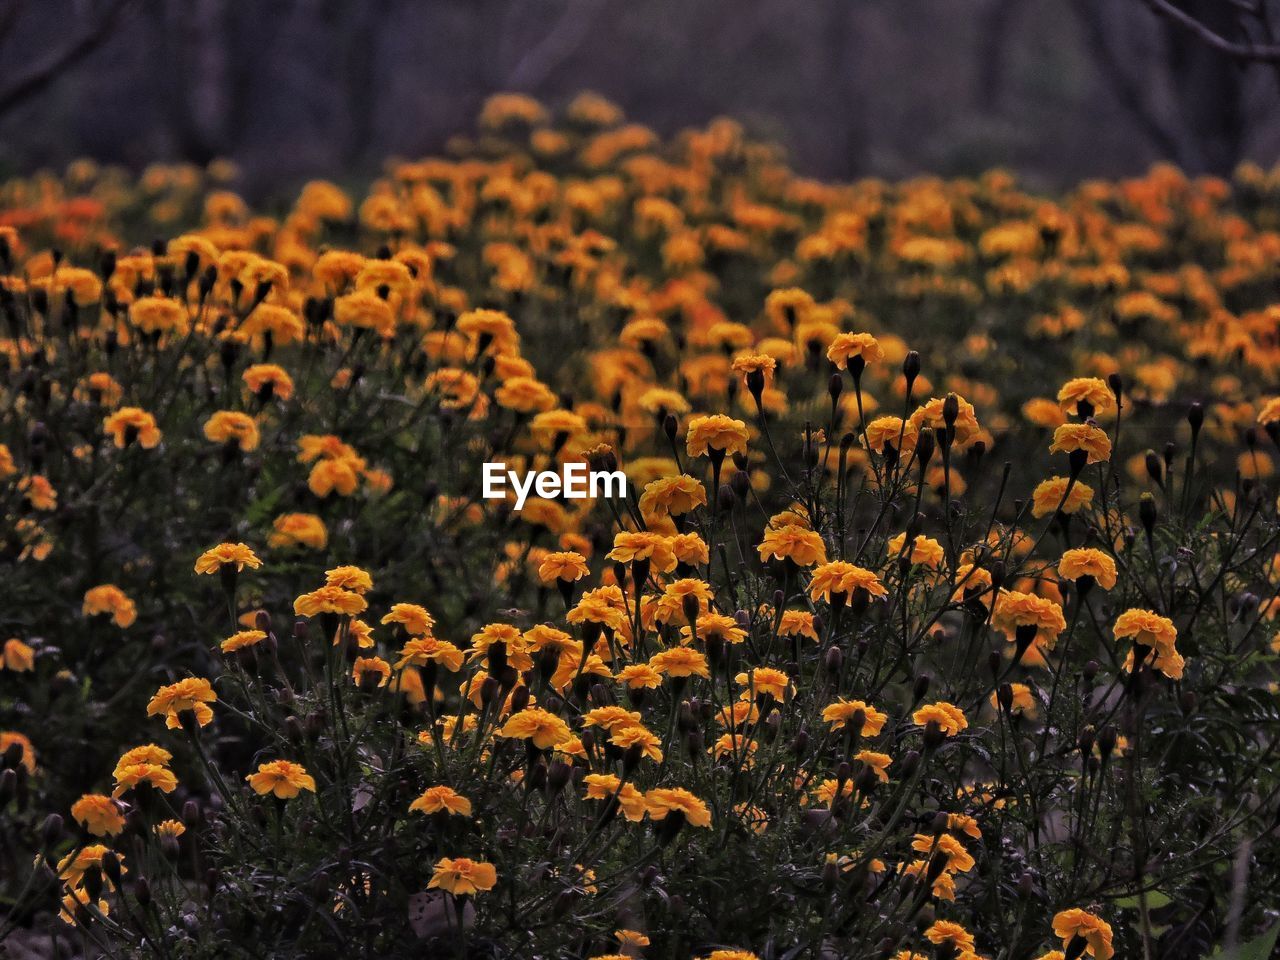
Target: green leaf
1259, 949
1155, 900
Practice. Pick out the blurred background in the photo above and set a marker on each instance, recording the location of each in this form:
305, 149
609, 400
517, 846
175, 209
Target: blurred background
1057, 90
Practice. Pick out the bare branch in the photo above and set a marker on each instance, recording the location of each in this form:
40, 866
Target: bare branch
1127, 90
39, 76
1256, 52
561, 42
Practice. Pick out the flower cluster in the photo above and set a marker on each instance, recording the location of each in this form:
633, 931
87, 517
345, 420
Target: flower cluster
938, 620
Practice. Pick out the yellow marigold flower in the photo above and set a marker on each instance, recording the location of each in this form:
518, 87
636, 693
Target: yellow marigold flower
765, 680
664, 801
842, 577
328, 476
525, 395
860, 348
749, 363
75, 906
793, 542
147, 753
1088, 562
17, 656
97, 814
1014, 609
1048, 495
283, 325
193, 694
463, 877
26, 752
878, 762
231, 426
1270, 412
1090, 391
959, 860
607, 786
731, 955
1082, 436
672, 496
129, 424
39, 492
680, 662
266, 380
1023, 704
566, 565
283, 778
415, 620
948, 717
158, 315
715, 626
1155, 633
1044, 412
329, 600
716, 432
349, 578
891, 432
630, 547
298, 529
131, 775
636, 737
690, 549
639, 676
442, 799
108, 598
952, 934
364, 310
428, 649
242, 641
841, 714
371, 668
797, 623
1093, 930
542, 728
169, 829
932, 416
225, 554
73, 867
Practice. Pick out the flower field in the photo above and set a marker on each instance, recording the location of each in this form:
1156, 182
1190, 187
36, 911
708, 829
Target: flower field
938, 622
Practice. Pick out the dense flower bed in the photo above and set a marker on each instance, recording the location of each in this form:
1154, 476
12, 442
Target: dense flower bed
938, 621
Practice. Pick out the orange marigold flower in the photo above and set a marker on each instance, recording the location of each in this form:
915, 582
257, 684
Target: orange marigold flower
17, 656
1082, 436
1088, 562
716, 432
842, 577
242, 641
129, 424
374, 669
225, 554
842, 714
1093, 930
417, 622
1014, 609
855, 347
108, 598
266, 380
672, 496
1090, 391
193, 694
131, 775
665, 801
680, 662
232, 426
463, 877
543, 728
98, 814
793, 542
329, 600
949, 718
349, 578
282, 778
442, 799
1049, 493
566, 565
298, 529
